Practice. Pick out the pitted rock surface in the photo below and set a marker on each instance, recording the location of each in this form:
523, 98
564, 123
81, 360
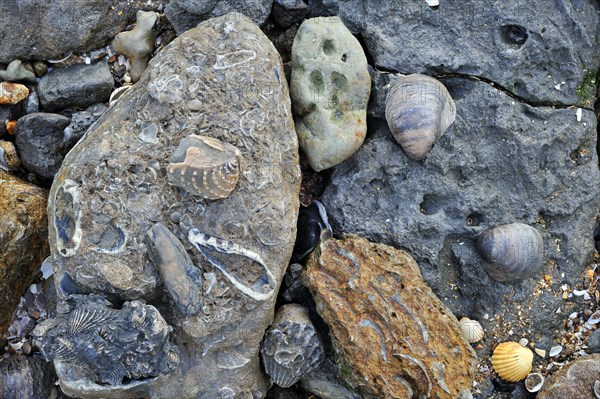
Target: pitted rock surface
576, 380
224, 80
393, 336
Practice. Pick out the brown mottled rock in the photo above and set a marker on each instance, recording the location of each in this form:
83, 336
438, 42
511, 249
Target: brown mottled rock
23, 240
12, 93
393, 336
574, 381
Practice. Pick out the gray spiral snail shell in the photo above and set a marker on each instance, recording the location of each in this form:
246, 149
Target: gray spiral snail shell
512, 251
418, 110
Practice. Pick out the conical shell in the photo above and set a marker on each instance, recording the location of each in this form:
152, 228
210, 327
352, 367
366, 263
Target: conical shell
418, 110
205, 166
512, 251
472, 330
511, 361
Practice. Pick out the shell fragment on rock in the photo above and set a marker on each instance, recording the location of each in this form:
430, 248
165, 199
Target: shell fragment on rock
205, 166
291, 347
512, 251
12, 93
472, 330
534, 382
511, 361
418, 110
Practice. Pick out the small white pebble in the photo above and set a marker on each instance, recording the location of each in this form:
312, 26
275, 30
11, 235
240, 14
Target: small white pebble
555, 351
579, 114
433, 3
486, 316
88, 60
573, 315
564, 287
523, 342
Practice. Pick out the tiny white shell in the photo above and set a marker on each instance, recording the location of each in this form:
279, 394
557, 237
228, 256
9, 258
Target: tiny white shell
471, 329
555, 351
534, 382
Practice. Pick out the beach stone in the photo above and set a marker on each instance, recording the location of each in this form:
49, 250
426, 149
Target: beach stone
23, 226
574, 381
39, 137
120, 228
393, 337
594, 342
80, 122
501, 161
33, 30
26, 377
288, 12
546, 56
75, 86
9, 159
12, 93
186, 14
325, 383
330, 89
16, 72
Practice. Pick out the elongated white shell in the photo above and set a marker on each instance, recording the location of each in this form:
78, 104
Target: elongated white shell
511, 361
472, 330
418, 110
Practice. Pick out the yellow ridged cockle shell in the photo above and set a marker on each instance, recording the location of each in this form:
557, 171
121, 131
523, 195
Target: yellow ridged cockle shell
511, 361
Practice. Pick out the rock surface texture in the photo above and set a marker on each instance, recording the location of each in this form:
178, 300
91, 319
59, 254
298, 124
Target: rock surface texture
119, 227
44, 30
393, 337
23, 243
575, 381
522, 48
502, 161
330, 90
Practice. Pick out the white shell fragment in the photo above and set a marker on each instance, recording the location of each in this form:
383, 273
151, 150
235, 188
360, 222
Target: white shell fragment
534, 382
472, 330
433, 3
579, 114
555, 351
594, 318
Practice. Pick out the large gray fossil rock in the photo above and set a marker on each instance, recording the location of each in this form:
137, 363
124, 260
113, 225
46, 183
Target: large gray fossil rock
502, 161
126, 223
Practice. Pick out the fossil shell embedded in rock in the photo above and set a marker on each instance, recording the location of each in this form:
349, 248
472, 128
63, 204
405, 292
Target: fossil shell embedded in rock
534, 382
472, 330
512, 251
205, 166
291, 347
418, 110
511, 361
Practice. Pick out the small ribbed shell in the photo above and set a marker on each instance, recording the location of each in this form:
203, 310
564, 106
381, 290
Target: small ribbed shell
418, 110
291, 347
205, 166
511, 361
512, 251
472, 330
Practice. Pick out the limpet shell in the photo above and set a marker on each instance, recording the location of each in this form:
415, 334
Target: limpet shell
418, 110
472, 330
534, 382
205, 166
511, 361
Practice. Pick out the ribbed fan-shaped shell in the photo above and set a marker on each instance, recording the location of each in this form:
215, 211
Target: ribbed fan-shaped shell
472, 330
82, 319
291, 347
205, 166
511, 361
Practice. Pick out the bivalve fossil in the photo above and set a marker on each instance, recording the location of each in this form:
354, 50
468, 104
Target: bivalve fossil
205, 166
418, 110
291, 347
512, 252
534, 382
511, 361
471, 329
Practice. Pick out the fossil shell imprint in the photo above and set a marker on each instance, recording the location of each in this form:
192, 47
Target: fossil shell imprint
205, 166
511, 361
512, 251
418, 110
472, 330
534, 382
291, 347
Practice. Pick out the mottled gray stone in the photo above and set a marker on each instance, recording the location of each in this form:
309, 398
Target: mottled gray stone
326, 384
223, 80
39, 138
288, 12
186, 14
574, 381
16, 72
26, 377
76, 86
80, 122
502, 161
31, 29
522, 47
594, 342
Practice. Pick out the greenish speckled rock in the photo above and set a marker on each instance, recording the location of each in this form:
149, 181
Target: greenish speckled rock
330, 89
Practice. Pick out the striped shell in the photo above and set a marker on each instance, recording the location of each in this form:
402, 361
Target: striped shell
472, 330
291, 347
512, 251
511, 361
418, 110
205, 166
83, 319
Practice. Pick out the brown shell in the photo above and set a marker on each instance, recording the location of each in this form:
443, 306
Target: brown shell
205, 166
511, 361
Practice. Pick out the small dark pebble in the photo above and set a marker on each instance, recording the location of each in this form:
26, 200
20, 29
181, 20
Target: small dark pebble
594, 342
502, 386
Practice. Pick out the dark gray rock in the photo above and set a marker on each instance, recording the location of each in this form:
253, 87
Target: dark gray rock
76, 86
186, 14
288, 12
325, 383
222, 80
48, 30
39, 138
594, 342
501, 161
522, 47
25, 377
80, 122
